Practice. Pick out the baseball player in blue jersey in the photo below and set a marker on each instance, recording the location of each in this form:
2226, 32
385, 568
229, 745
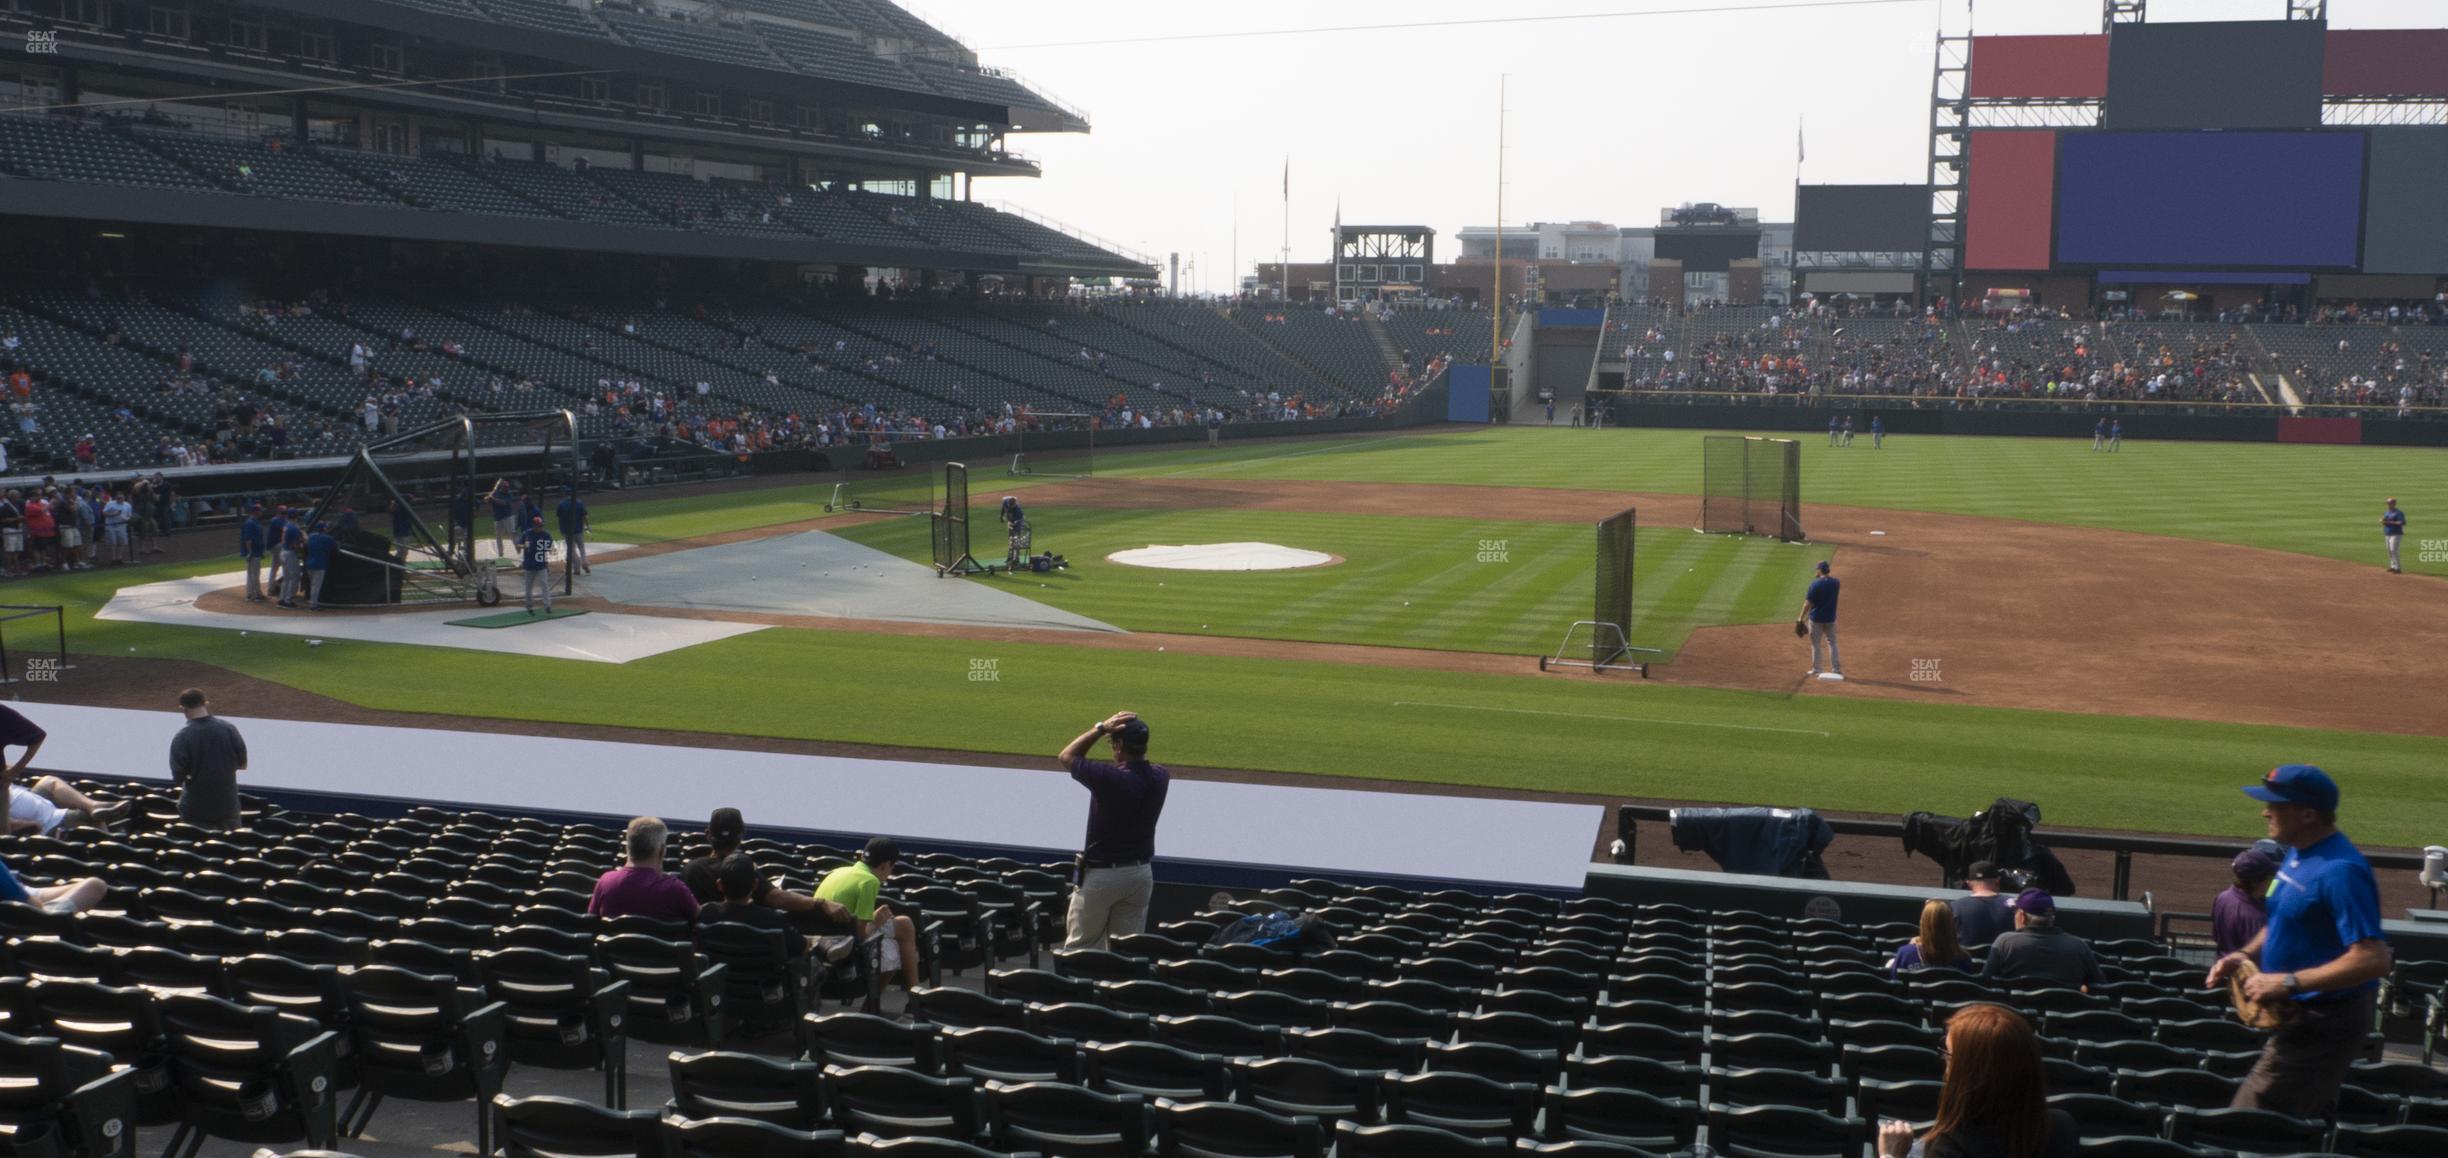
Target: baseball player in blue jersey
572, 514
251, 548
504, 508
1819, 610
535, 557
1878, 432
2116, 435
2099, 435
2392, 528
1831, 430
1848, 430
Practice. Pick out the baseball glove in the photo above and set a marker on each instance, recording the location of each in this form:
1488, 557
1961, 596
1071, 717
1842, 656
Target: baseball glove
1801, 629
2257, 1014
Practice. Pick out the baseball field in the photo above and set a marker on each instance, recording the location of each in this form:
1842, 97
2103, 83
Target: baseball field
2122, 637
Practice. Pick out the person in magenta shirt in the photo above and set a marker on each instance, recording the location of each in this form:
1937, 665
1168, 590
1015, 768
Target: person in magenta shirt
641, 887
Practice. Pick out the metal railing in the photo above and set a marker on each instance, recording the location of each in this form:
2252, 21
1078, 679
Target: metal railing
1809, 398
2124, 845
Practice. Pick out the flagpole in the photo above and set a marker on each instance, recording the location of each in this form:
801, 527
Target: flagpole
1236, 249
1283, 264
1496, 292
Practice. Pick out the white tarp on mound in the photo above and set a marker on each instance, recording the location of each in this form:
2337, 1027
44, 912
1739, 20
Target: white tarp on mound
1222, 557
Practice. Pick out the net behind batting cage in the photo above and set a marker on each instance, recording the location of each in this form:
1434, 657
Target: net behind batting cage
1614, 602
951, 525
1751, 486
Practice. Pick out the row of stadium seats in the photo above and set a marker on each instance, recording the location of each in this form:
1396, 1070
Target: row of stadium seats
62, 148
424, 957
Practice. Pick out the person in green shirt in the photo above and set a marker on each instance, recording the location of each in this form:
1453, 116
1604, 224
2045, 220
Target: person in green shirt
854, 886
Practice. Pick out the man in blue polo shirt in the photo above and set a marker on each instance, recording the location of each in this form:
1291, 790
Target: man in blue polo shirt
321, 545
1878, 432
1819, 611
2099, 434
292, 561
571, 513
2322, 955
1116, 876
276, 532
251, 549
2392, 528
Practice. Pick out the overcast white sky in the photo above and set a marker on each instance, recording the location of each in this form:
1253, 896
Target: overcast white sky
1609, 119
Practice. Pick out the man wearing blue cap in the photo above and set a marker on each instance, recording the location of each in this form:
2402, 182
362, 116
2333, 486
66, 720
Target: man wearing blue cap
1125, 798
2321, 957
1819, 611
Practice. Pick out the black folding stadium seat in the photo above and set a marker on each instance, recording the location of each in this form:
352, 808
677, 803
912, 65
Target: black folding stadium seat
963, 1008
2257, 1131
864, 1039
721, 1084
1226, 1036
1914, 1102
1356, 1049
1354, 1140
996, 1054
1755, 1050
422, 1038
2390, 1141
1737, 1020
248, 1074
563, 1013
1624, 1116
1187, 1130
1493, 1060
1038, 986
745, 1138
1155, 1070
2105, 1116
1299, 1086
553, 1127
1100, 965
1269, 1007
1395, 1019
898, 1103
1784, 1132
75, 1096
675, 994
1055, 1118
1081, 1021
2139, 1146
1463, 1103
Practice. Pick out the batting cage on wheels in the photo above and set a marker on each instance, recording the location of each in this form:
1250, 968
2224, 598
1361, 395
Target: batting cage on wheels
531, 455
1751, 486
951, 526
1069, 452
1602, 642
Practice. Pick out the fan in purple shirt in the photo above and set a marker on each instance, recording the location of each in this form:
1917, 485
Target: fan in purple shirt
641, 888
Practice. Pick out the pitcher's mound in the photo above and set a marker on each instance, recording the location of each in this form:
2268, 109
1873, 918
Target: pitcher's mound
1224, 557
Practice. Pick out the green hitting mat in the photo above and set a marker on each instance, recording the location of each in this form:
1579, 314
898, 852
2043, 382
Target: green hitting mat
511, 618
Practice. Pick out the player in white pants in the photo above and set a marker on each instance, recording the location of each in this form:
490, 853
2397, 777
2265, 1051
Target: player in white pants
2392, 528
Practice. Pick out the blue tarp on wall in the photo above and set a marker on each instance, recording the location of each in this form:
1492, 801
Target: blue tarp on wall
1466, 398
1571, 319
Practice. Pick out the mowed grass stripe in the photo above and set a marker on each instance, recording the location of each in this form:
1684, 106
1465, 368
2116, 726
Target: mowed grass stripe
2320, 500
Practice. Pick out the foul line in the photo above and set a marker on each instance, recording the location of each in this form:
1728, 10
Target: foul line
1599, 716
1354, 444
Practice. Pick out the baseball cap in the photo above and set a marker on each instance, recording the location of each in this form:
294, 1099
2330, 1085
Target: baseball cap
1823, 566
881, 850
1134, 731
725, 826
1981, 870
2035, 902
537, 521
2301, 784
2252, 864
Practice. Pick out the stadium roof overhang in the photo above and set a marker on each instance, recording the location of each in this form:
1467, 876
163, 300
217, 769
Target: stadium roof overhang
677, 129
141, 205
593, 52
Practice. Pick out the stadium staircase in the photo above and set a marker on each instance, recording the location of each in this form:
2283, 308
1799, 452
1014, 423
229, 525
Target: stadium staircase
1385, 341
2264, 371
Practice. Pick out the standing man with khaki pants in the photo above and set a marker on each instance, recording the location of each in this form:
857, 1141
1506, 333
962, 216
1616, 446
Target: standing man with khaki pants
1125, 798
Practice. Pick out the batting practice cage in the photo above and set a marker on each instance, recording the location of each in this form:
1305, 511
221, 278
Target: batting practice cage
390, 554
1066, 453
951, 526
1602, 642
1751, 486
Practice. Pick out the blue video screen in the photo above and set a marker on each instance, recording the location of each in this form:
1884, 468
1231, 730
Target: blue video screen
2281, 200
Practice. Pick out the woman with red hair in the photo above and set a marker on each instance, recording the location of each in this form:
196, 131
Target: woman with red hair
1995, 1102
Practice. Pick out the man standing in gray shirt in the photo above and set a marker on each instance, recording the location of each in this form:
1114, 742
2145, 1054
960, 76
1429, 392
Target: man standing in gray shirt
205, 759
2038, 953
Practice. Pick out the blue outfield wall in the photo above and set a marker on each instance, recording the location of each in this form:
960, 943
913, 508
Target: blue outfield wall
1467, 390
2015, 423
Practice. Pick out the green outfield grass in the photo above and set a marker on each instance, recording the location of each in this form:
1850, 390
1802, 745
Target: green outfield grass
2318, 500
1616, 737
1449, 584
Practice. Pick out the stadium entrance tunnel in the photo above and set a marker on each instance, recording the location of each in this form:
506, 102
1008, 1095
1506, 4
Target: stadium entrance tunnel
1223, 557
